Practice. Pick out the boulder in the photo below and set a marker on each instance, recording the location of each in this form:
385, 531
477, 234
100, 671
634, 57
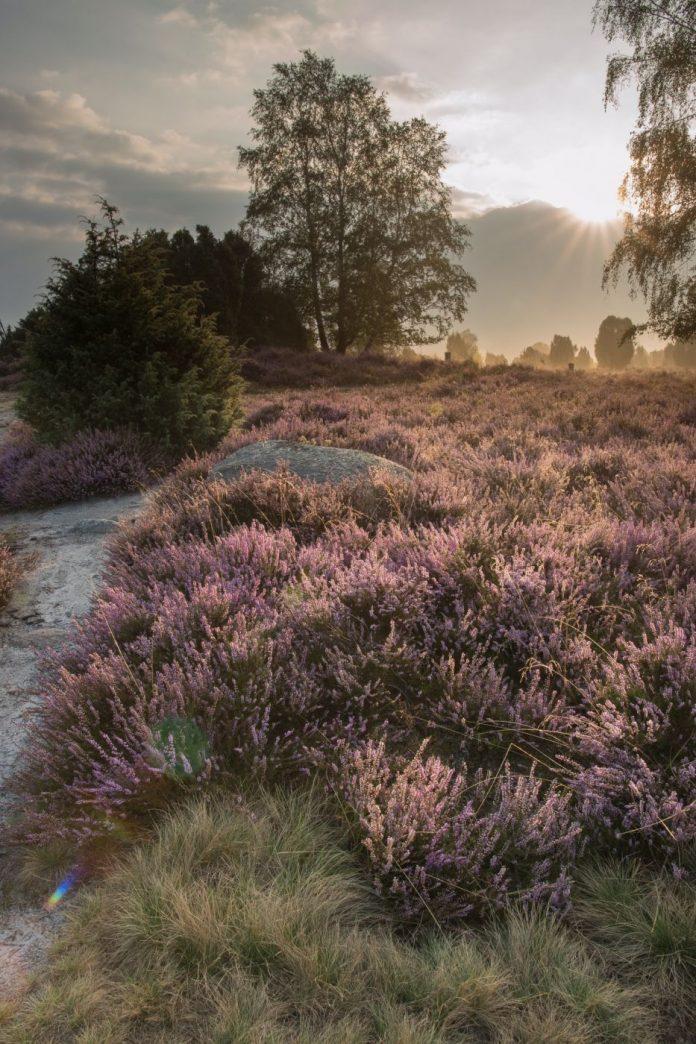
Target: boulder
317, 463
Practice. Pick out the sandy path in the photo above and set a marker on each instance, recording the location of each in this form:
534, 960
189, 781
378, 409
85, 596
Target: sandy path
68, 542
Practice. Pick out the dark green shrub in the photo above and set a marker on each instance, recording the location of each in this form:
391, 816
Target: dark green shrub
116, 345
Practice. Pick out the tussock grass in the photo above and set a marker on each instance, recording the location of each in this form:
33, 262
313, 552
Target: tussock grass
247, 920
11, 570
647, 924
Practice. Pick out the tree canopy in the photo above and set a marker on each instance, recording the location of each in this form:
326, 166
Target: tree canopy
562, 351
235, 286
658, 248
351, 209
614, 346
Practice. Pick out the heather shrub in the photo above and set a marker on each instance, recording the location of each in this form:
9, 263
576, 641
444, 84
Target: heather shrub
194, 506
279, 368
638, 742
116, 344
92, 463
449, 843
524, 605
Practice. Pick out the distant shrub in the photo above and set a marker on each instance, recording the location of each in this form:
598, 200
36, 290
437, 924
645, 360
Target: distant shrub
92, 463
116, 345
615, 343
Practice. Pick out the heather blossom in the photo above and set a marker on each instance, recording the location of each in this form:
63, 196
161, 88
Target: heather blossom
92, 463
490, 668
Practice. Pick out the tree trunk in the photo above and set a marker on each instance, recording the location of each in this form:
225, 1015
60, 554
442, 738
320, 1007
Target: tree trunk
341, 333
318, 314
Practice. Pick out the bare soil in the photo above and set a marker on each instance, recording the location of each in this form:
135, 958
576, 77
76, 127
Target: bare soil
65, 548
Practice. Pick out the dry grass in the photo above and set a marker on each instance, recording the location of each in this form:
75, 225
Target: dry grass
247, 920
11, 570
647, 924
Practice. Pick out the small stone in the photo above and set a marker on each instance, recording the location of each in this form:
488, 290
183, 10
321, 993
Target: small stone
94, 526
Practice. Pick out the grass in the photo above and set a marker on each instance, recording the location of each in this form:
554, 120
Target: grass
248, 919
645, 921
11, 570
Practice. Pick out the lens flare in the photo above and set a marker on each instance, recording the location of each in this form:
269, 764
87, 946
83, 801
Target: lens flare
68, 882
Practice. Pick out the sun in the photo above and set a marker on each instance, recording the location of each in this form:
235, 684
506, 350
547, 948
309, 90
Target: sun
593, 207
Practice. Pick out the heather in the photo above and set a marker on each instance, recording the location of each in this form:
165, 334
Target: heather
91, 463
246, 918
280, 368
490, 669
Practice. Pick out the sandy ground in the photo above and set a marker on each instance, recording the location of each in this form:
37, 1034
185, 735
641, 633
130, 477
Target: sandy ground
67, 547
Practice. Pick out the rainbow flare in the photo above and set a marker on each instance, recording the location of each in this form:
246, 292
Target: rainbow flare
61, 891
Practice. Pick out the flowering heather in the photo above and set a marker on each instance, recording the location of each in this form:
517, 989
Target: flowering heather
438, 839
491, 667
94, 463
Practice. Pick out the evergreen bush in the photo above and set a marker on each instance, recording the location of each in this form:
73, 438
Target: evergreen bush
117, 346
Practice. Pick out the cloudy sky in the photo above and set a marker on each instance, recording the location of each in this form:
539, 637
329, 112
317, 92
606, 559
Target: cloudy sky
146, 101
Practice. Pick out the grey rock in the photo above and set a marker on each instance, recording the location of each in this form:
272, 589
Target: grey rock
94, 526
317, 463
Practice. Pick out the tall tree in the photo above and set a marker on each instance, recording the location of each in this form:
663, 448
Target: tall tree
352, 211
463, 347
562, 351
658, 248
614, 346
235, 287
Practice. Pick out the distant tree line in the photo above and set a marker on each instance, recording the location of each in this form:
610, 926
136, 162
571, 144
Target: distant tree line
615, 348
234, 286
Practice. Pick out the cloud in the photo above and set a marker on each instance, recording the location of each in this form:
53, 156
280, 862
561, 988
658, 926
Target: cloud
57, 154
179, 16
407, 86
239, 14
469, 204
246, 38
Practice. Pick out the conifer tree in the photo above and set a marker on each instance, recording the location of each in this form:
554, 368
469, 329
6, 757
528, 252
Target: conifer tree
116, 344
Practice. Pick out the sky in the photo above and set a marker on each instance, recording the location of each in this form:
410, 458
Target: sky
146, 102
